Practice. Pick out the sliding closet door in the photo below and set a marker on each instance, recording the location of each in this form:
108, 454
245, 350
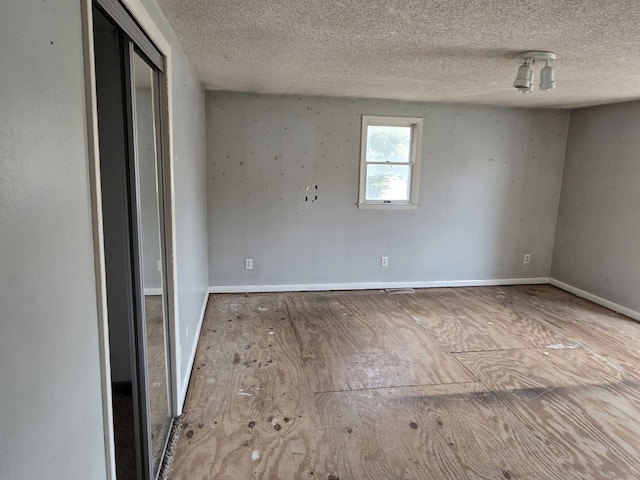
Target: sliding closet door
133, 190
148, 170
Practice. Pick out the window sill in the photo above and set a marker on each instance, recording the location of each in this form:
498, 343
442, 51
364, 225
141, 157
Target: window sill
387, 206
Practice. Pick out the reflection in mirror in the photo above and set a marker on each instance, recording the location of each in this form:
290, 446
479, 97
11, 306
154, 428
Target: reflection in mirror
151, 256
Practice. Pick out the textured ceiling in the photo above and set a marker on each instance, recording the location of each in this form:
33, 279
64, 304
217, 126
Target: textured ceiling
439, 51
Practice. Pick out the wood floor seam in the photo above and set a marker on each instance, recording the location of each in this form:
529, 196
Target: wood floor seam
495, 350
396, 387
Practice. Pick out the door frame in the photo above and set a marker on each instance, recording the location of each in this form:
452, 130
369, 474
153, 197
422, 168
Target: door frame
143, 18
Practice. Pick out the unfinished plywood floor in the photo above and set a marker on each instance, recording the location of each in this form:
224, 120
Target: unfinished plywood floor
524, 382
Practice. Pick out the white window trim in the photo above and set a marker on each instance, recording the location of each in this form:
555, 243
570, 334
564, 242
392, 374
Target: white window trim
416, 150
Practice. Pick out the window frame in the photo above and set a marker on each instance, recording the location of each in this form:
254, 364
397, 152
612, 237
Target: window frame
416, 125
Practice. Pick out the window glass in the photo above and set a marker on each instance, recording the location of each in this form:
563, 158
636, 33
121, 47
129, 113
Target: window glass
388, 182
389, 162
388, 144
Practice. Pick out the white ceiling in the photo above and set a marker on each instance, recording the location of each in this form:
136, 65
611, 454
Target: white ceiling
458, 51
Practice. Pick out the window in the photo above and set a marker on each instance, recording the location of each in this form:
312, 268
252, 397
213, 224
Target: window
389, 162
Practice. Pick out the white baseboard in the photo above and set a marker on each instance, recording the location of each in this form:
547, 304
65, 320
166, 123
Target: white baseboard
595, 299
192, 356
153, 291
306, 287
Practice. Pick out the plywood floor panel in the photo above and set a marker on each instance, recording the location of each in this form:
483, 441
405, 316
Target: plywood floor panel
468, 432
458, 326
614, 337
400, 433
363, 340
475, 316
540, 368
249, 411
590, 431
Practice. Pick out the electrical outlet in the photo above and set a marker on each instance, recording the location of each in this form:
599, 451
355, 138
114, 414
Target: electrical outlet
527, 258
384, 261
248, 263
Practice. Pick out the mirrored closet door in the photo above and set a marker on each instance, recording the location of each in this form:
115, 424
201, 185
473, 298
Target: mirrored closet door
149, 173
134, 194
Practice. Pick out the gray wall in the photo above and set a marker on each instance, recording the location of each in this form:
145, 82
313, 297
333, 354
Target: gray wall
50, 395
49, 357
598, 232
190, 194
489, 189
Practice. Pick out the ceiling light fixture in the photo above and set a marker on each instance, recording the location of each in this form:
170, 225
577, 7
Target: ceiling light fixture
524, 79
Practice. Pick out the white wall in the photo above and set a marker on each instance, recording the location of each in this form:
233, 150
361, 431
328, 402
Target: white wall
489, 189
50, 394
598, 233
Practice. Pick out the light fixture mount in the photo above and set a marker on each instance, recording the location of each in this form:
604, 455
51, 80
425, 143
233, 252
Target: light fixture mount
535, 56
524, 79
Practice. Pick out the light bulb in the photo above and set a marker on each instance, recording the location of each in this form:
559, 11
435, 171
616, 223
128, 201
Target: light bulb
547, 79
524, 78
